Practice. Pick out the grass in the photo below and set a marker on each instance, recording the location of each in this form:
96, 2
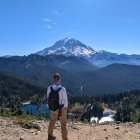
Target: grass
28, 125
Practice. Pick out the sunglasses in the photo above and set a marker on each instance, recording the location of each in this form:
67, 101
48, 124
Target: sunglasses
56, 76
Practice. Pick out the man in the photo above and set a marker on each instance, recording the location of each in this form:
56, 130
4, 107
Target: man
59, 110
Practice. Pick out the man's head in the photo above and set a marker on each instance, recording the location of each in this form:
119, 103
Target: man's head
56, 77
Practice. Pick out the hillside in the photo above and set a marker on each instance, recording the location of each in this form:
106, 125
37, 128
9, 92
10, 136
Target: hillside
77, 73
112, 79
40, 69
11, 85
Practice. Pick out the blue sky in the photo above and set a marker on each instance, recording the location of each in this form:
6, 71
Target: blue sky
27, 26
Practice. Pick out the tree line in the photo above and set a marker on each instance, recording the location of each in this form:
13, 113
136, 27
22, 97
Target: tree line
14, 90
127, 104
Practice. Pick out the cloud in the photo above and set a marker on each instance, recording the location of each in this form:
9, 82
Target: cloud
49, 27
49, 23
47, 20
69, 34
57, 13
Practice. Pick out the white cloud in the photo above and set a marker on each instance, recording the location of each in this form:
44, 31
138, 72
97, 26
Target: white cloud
57, 13
69, 33
49, 27
47, 20
49, 23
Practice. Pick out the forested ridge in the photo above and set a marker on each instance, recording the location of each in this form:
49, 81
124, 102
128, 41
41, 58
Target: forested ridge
11, 85
15, 89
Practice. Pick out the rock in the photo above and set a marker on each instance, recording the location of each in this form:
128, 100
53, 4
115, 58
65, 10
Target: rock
104, 129
106, 138
117, 127
76, 127
38, 132
126, 131
32, 131
21, 138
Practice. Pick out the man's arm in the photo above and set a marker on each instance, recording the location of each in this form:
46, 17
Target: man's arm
65, 98
48, 92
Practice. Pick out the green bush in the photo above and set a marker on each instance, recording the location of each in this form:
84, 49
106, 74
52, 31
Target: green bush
28, 125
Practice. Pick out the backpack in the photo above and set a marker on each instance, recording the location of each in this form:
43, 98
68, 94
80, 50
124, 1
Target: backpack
53, 100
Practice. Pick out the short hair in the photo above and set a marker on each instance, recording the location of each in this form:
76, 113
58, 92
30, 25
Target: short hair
56, 77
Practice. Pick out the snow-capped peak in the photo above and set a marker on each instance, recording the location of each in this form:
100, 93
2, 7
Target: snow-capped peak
69, 46
72, 47
68, 38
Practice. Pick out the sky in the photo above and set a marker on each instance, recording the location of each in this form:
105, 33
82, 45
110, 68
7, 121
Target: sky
28, 26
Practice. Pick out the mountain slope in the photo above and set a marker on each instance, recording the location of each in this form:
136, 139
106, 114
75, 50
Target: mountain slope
99, 58
112, 79
78, 75
104, 58
11, 85
40, 70
68, 47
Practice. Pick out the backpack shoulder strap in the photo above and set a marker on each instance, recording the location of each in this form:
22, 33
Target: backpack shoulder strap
59, 89
51, 89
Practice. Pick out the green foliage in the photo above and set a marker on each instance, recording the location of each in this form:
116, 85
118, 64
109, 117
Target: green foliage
39, 105
126, 104
96, 110
14, 90
77, 108
12, 86
138, 117
28, 125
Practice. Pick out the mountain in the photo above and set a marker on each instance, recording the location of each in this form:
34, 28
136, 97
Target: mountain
40, 69
68, 47
99, 58
112, 79
78, 75
104, 58
83, 70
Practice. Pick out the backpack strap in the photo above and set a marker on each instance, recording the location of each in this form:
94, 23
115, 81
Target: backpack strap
51, 89
56, 90
59, 89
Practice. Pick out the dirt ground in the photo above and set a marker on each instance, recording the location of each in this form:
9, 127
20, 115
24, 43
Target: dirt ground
77, 131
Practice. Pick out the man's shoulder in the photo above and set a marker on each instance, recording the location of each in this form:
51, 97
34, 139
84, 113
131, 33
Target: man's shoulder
56, 87
49, 86
63, 89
